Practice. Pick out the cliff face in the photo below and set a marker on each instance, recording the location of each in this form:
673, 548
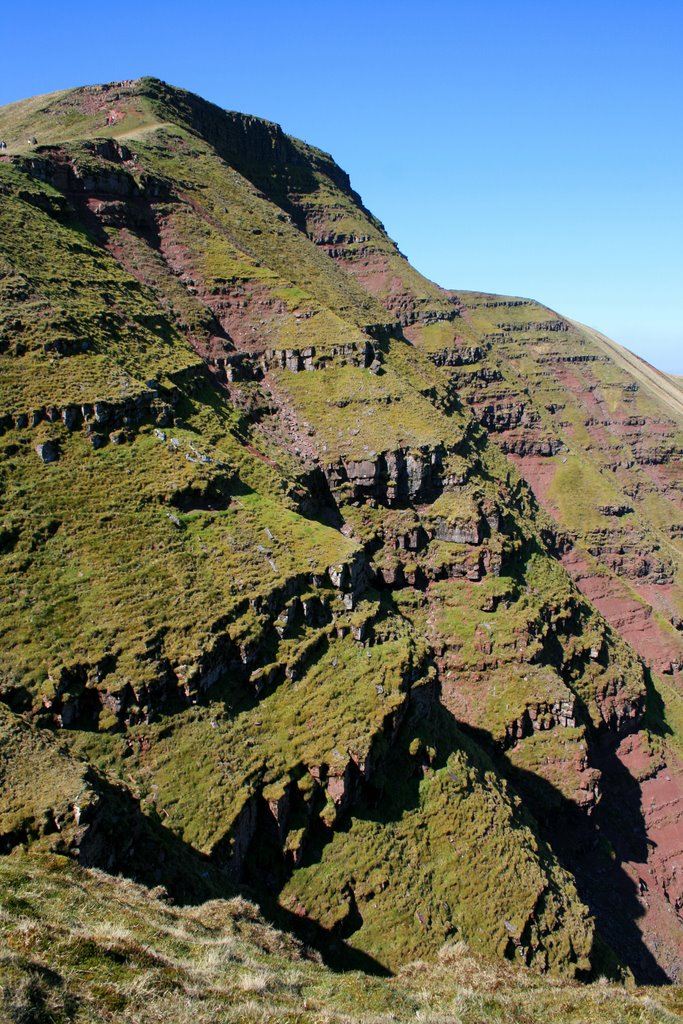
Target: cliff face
348, 587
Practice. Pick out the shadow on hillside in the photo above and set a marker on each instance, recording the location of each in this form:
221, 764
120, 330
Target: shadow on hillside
655, 710
330, 944
122, 839
592, 849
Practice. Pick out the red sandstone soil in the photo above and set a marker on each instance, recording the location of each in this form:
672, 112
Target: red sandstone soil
539, 472
632, 620
658, 877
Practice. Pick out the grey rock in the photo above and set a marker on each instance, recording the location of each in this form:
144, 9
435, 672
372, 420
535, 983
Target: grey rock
101, 412
71, 416
48, 451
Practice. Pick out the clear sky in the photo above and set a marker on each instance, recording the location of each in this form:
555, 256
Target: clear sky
528, 148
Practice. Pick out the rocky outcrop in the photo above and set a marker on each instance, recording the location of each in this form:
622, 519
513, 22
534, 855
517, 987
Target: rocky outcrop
526, 445
48, 451
621, 714
615, 510
559, 357
98, 419
461, 356
97, 695
364, 355
394, 478
506, 415
630, 555
96, 176
535, 326
541, 716
466, 532
316, 794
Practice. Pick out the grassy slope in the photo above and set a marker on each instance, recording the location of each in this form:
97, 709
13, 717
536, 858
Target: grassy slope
79, 945
589, 472
113, 578
74, 114
106, 573
652, 379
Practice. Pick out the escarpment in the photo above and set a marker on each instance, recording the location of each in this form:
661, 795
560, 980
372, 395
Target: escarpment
331, 581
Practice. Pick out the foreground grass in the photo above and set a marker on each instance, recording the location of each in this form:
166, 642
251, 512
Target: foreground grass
79, 945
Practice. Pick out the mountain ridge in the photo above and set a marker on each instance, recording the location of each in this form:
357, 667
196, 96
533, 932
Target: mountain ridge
300, 551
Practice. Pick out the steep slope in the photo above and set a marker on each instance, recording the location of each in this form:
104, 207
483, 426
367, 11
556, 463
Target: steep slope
268, 579
653, 380
598, 435
103, 948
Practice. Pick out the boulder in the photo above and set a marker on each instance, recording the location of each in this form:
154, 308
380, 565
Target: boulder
48, 451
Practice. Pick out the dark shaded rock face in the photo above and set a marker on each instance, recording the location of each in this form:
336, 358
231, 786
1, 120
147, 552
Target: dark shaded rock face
48, 451
92, 417
467, 533
395, 478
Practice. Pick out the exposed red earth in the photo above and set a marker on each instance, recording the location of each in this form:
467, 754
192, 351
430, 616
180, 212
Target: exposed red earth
652, 855
633, 619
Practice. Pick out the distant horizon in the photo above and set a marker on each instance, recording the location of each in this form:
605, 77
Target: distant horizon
510, 150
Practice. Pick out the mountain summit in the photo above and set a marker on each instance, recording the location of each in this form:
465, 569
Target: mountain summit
318, 578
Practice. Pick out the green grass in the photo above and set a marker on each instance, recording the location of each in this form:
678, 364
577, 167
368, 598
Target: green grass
142, 570
74, 114
63, 287
228, 208
670, 724
473, 862
656, 383
80, 946
358, 416
534, 648
577, 489
202, 767
86, 591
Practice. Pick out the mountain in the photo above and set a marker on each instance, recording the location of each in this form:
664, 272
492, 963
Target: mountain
322, 582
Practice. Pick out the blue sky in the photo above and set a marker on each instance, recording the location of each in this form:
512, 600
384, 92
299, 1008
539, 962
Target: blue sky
525, 148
